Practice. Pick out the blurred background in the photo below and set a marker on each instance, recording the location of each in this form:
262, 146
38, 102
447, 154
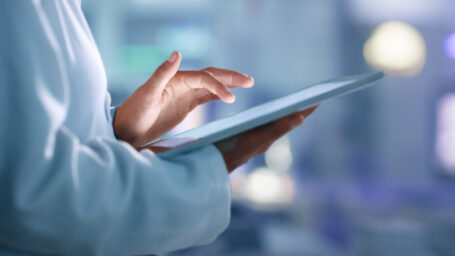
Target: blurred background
371, 173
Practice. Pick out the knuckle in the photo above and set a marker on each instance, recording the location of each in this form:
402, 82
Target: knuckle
179, 73
205, 79
161, 70
209, 81
208, 69
205, 72
179, 76
207, 75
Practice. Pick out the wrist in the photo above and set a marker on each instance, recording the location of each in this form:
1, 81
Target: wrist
121, 128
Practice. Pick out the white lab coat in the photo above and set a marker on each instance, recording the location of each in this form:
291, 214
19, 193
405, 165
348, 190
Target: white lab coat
67, 185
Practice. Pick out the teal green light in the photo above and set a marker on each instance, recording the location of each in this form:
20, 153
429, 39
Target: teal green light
141, 58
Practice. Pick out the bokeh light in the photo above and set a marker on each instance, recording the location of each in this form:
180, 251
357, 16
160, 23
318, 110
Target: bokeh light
449, 46
268, 189
396, 47
445, 138
278, 156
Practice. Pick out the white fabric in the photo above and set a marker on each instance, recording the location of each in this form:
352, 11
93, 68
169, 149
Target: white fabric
67, 186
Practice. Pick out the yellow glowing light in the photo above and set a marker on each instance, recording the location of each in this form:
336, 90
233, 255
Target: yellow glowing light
266, 188
396, 47
278, 156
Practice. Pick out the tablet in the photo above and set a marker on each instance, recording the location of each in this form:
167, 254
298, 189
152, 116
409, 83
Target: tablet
262, 114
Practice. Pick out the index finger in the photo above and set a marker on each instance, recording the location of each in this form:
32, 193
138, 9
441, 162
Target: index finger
231, 78
204, 80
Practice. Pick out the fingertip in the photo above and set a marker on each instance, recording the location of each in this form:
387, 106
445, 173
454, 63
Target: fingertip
309, 111
175, 57
179, 55
242, 80
297, 120
227, 97
230, 98
250, 82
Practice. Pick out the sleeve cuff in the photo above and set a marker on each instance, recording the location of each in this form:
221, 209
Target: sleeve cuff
210, 162
221, 177
112, 111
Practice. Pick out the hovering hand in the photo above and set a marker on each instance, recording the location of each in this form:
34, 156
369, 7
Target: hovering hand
169, 96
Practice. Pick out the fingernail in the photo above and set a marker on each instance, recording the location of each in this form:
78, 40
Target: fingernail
173, 57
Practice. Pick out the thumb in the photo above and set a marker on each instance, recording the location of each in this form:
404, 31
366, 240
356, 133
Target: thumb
164, 73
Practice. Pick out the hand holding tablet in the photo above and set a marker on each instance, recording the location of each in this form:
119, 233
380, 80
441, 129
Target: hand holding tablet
219, 130
239, 149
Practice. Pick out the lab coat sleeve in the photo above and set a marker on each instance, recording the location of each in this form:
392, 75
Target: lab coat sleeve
111, 113
63, 197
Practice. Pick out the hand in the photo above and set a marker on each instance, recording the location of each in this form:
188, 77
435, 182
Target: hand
240, 149
169, 96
